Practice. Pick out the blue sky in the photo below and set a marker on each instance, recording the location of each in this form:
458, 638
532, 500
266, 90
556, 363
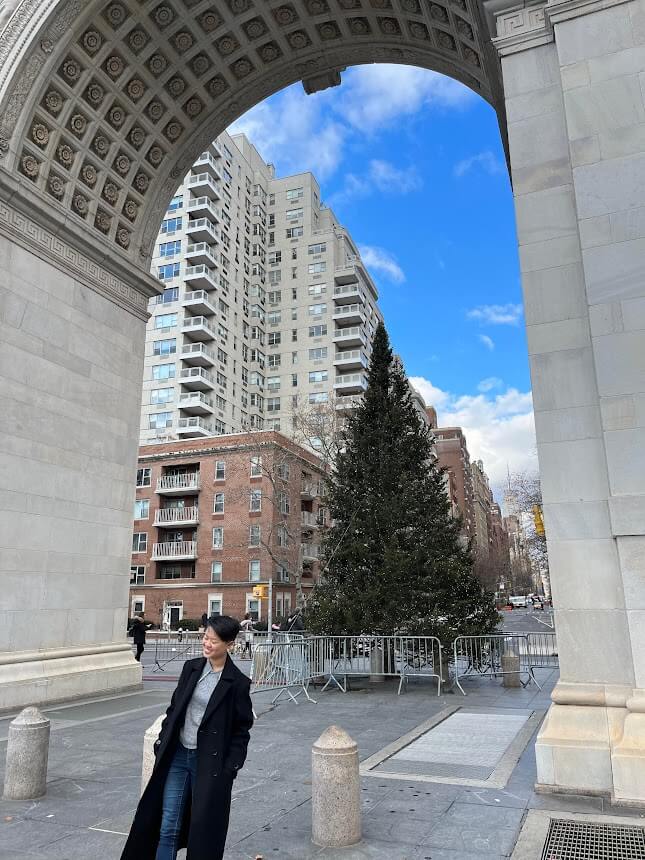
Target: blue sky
412, 164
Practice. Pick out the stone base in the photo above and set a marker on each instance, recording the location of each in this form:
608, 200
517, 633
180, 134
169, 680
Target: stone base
594, 750
45, 677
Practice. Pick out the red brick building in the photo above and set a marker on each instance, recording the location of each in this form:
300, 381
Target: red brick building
216, 516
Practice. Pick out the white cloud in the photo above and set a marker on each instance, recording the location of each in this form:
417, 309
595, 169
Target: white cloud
489, 383
376, 95
488, 342
486, 161
380, 176
509, 314
499, 429
380, 260
299, 132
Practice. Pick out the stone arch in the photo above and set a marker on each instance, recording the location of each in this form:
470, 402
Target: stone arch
110, 102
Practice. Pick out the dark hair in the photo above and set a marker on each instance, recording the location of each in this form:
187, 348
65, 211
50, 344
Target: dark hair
224, 626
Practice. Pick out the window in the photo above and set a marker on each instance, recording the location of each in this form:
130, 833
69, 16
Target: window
255, 533
143, 477
218, 538
317, 268
317, 289
316, 310
275, 296
283, 470
253, 607
220, 470
169, 249
160, 420
275, 276
169, 295
274, 360
216, 571
174, 571
273, 404
282, 536
255, 501
318, 376
273, 383
215, 604
218, 503
294, 380
160, 396
285, 505
139, 542
164, 347
175, 203
165, 321
274, 258
170, 225
318, 397
168, 271
293, 214
318, 353
318, 248
274, 338
163, 371
256, 467
294, 232
138, 605
272, 424
141, 509
137, 574
274, 317
294, 194
254, 570
317, 330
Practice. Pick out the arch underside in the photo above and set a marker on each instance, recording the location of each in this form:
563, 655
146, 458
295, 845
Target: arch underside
106, 104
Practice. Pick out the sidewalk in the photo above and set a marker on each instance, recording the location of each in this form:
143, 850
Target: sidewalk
95, 764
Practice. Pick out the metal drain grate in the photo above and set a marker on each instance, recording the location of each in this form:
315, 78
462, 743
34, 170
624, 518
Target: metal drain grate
575, 840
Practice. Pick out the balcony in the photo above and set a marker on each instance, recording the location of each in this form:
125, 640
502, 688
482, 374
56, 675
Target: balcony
352, 359
197, 328
202, 207
350, 383
309, 520
196, 403
197, 354
169, 518
204, 185
351, 336
309, 490
346, 273
203, 230
349, 314
350, 401
174, 550
184, 484
198, 301
207, 162
193, 428
200, 254
202, 277
196, 379
310, 551
348, 293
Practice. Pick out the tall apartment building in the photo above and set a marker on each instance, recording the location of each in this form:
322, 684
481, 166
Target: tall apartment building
453, 456
267, 307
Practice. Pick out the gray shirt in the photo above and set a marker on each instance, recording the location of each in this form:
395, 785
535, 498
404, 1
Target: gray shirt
204, 688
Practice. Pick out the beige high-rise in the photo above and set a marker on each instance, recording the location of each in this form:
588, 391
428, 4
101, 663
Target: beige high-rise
267, 308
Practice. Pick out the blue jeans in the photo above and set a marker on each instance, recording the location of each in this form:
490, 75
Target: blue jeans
178, 788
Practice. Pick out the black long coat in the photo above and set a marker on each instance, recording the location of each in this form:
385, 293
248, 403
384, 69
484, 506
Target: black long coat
222, 740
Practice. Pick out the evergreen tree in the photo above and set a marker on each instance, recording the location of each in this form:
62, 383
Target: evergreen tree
393, 560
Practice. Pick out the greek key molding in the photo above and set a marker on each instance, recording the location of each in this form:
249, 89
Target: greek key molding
43, 243
522, 28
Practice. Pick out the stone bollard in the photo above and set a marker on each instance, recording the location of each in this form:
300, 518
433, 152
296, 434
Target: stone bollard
335, 790
511, 665
27, 753
149, 739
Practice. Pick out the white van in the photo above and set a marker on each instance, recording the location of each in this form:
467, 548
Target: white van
519, 601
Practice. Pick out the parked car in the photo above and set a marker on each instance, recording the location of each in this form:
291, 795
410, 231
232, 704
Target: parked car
519, 601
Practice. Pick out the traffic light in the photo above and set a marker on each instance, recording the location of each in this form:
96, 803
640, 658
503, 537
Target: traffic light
538, 521
261, 591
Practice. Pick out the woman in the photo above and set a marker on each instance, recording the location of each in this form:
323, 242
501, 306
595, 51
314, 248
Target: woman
201, 746
247, 629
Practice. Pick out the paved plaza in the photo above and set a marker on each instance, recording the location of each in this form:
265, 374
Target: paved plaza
449, 814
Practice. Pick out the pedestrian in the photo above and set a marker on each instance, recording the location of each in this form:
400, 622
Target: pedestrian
138, 635
201, 747
247, 629
204, 620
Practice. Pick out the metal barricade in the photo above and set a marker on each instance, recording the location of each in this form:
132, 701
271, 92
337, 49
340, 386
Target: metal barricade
282, 665
341, 657
543, 651
171, 646
482, 656
419, 657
